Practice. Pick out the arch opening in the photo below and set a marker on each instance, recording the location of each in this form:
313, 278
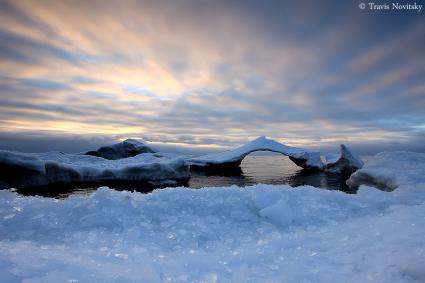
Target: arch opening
296, 162
267, 165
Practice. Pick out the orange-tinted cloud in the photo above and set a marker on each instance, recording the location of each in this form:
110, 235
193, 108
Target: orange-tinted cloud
305, 73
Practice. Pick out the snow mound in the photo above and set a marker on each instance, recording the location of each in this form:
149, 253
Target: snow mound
389, 170
127, 148
231, 158
347, 162
41, 169
262, 233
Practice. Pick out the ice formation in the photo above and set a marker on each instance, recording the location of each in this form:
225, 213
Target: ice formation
262, 233
389, 170
41, 169
127, 148
231, 158
132, 160
346, 163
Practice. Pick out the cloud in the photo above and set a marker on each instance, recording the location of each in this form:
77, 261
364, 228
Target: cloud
212, 74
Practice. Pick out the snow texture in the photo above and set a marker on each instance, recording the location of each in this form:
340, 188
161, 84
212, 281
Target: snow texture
262, 233
389, 170
302, 157
40, 169
127, 148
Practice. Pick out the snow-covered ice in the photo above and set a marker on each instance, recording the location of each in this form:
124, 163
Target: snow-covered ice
124, 149
346, 163
262, 233
302, 157
39, 169
390, 170
132, 160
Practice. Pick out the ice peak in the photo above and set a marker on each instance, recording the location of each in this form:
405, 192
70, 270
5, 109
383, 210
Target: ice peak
261, 138
136, 142
347, 162
124, 149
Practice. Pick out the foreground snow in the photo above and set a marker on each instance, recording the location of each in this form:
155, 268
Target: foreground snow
256, 234
389, 170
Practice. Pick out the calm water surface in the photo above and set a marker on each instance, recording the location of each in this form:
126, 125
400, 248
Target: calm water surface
271, 169
266, 169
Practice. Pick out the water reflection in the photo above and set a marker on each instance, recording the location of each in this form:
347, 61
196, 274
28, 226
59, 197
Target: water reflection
270, 169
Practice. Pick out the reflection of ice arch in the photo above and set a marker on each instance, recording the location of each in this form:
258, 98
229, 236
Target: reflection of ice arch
346, 162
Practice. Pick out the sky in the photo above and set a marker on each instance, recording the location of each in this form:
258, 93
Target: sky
207, 75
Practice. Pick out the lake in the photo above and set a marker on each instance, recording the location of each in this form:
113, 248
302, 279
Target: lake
255, 168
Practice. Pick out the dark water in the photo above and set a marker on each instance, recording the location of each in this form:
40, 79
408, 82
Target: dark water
271, 169
266, 169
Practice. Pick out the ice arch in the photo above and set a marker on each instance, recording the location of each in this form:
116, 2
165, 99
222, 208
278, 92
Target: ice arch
232, 158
